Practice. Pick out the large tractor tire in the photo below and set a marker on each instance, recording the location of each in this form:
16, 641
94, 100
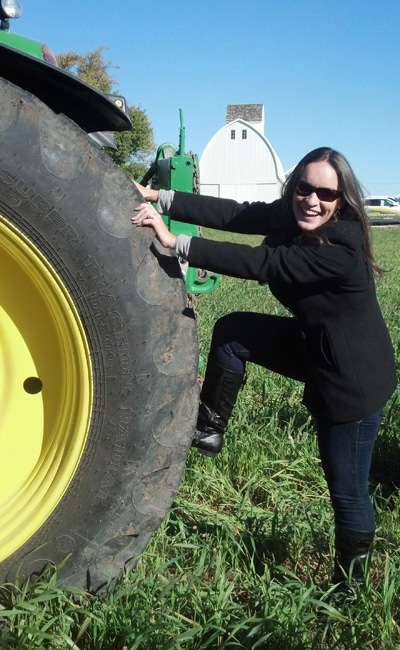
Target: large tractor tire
98, 353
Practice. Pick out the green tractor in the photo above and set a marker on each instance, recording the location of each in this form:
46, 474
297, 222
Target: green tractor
173, 169
99, 356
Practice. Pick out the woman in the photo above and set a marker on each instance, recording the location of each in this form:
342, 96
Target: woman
317, 261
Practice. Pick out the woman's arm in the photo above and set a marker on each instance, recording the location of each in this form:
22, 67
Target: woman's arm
289, 264
226, 214
218, 213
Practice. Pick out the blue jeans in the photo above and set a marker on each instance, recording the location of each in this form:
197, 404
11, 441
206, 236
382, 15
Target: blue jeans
346, 453
276, 343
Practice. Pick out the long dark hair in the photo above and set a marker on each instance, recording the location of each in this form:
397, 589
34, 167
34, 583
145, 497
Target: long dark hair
353, 202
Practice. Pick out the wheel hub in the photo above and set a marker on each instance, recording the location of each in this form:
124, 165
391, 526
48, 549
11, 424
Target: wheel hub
45, 389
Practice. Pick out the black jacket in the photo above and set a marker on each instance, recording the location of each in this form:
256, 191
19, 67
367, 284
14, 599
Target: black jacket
349, 367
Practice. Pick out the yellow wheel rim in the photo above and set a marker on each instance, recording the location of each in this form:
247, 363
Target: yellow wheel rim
45, 389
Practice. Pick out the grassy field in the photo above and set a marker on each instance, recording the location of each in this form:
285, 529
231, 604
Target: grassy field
244, 558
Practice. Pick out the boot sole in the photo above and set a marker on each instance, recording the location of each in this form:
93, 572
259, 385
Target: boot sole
205, 452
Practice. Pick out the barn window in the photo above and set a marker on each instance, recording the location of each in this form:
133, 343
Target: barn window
244, 134
233, 135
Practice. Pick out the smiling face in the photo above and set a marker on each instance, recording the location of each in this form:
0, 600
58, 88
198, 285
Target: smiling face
310, 211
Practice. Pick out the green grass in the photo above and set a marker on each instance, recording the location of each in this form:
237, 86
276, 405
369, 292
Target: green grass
243, 559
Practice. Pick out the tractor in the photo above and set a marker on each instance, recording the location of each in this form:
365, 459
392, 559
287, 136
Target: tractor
98, 347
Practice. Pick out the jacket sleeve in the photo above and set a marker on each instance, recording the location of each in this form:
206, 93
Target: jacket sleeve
293, 264
226, 214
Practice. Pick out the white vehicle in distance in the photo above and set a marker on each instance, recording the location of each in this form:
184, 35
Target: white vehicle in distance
382, 209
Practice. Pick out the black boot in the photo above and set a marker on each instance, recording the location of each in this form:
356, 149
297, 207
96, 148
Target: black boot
218, 397
352, 560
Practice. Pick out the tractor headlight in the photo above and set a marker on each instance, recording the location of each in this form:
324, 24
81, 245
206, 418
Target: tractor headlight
10, 9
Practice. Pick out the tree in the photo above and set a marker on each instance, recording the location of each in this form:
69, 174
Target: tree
136, 148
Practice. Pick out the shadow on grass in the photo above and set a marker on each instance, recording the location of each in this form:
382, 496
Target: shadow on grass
267, 543
385, 468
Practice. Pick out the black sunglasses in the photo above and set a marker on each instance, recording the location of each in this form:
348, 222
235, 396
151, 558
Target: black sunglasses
323, 193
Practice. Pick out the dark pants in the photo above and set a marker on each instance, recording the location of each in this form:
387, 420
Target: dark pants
275, 343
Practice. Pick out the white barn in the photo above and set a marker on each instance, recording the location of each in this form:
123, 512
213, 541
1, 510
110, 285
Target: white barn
238, 162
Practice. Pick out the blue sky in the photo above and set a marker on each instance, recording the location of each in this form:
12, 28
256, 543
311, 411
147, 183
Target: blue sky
328, 73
